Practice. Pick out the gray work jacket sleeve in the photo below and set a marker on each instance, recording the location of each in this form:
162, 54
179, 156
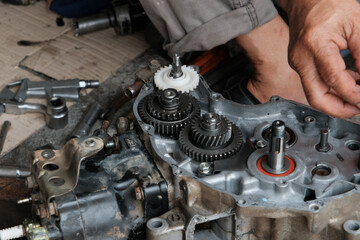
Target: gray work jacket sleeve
197, 25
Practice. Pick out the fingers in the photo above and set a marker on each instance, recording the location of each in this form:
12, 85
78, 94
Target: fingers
322, 97
332, 71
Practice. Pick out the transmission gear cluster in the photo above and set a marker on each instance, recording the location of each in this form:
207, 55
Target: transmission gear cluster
168, 110
211, 137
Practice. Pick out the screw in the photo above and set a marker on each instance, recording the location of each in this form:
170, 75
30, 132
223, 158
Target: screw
139, 193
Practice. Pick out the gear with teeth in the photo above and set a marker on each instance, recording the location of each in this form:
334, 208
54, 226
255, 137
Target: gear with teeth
212, 131
185, 83
168, 110
211, 137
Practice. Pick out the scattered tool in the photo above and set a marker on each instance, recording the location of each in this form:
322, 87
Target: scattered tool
83, 128
13, 172
124, 16
56, 112
3, 133
67, 89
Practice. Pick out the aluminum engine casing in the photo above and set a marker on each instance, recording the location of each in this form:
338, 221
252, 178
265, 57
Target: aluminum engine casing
237, 200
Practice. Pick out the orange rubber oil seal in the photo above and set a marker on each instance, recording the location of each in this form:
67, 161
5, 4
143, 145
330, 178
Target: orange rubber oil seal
262, 170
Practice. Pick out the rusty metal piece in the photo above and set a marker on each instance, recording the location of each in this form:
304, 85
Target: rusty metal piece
53, 208
105, 125
42, 211
58, 174
122, 125
139, 193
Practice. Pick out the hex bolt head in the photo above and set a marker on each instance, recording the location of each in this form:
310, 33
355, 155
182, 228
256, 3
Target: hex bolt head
204, 168
169, 98
210, 121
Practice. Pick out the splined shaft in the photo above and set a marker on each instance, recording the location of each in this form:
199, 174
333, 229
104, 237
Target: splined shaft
277, 146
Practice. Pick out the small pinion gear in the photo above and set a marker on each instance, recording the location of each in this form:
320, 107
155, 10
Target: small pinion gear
168, 110
215, 141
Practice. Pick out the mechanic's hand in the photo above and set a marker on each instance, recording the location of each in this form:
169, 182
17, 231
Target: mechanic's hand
319, 29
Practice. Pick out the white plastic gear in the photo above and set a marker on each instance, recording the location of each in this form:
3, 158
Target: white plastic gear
186, 83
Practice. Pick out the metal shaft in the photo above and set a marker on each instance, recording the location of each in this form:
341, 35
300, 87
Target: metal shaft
13, 172
324, 145
4, 131
83, 128
176, 71
277, 146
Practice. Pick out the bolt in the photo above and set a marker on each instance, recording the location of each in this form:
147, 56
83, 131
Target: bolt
210, 122
204, 168
261, 144
139, 193
176, 71
324, 145
47, 154
169, 98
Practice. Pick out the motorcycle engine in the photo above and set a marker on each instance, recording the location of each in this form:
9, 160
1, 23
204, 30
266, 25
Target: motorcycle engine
198, 166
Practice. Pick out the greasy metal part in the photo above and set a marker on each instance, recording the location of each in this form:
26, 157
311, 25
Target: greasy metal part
57, 171
84, 126
3, 133
56, 112
324, 145
181, 196
176, 71
66, 89
238, 201
168, 111
125, 18
93, 23
276, 162
210, 138
103, 204
13, 172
